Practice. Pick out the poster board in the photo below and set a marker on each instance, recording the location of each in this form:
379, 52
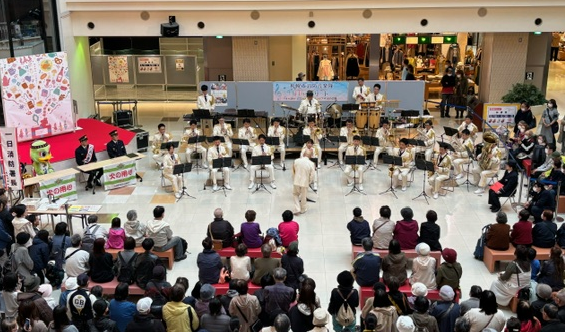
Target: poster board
10, 159
149, 70
181, 70
120, 175
36, 95
63, 187
497, 115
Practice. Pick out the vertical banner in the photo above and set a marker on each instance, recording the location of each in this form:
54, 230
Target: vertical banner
10, 159
63, 187
36, 95
120, 175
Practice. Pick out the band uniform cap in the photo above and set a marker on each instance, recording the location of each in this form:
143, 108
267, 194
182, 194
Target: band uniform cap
83, 138
114, 132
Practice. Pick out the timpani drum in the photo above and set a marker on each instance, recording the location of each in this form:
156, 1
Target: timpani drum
361, 118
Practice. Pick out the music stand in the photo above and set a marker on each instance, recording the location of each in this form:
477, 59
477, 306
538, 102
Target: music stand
181, 169
446, 146
240, 142
340, 139
260, 161
374, 142
472, 158
315, 161
426, 166
220, 163
450, 131
164, 145
210, 139
275, 141
353, 161
391, 160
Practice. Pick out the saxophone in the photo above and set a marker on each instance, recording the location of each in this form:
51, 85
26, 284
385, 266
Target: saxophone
490, 140
157, 143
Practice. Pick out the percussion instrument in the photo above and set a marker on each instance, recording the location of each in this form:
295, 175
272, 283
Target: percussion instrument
374, 119
364, 105
334, 111
290, 108
416, 120
361, 118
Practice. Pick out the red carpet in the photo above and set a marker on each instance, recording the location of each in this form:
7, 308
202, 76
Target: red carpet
63, 146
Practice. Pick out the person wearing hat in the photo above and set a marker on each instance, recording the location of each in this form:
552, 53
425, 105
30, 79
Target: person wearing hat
293, 265
405, 324
116, 148
450, 271
423, 267
309, 107
300, 77
143, 320
80, 301
207, 293
506, 186
446, 310
216, 151
320, 320
205, 101
276, 130
85, 154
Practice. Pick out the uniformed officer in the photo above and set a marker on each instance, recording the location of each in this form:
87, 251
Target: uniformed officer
85, 154
116, 148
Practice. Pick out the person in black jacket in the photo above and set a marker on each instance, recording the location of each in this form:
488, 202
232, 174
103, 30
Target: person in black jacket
6, 218
552, 321
221, 229
39, 253
344, 291
293, 265
143, 320
524, 114
358, 227
101, 320
86, 154
101, 263
430, 231
543, 233
447, 89
509, 182
541, 200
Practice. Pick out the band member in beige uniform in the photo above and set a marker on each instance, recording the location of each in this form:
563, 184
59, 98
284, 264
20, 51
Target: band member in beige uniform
309, 151
158, 138
315, 134
348, 131
385, 142
303, 172
276, 130
461, 157
262, 149
360, 92
442, 167
169, 161
205, 101
246, 132
193, 131
401, 172
430, 140
214, 152
470, 126
355, 171
224, 130
488, 162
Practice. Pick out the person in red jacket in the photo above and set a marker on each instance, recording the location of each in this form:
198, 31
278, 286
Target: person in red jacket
406, 230
288, 228
522, 230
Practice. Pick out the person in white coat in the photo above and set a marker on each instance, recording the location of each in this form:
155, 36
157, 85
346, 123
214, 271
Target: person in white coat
193, 131
355, 171
161, 136
401, 172
430, 140
214, 152
360, 92
303, 172
276, 130
309, 107
347, 132
315, 134
224, 130
246, 132
205, 101
262, 149
310, 152
169, 161
376, 96
385, 142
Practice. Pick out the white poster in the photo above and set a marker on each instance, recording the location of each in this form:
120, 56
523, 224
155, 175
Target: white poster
500, 114
149, 64
220, 93
120, 175
10, 160
63, 187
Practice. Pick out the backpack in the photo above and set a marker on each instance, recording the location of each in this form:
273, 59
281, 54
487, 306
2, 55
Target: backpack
59, 256
88, 239
481, 242
274, 234
144, 269
55, 275
345, 315
156, 294
80, 307
127, 270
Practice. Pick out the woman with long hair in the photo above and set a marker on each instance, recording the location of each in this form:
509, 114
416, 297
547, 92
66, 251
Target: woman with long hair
28, 312
101, 263
301, 314
552, 270
516, 276
61, 321
548, 118
486, 315
525, 314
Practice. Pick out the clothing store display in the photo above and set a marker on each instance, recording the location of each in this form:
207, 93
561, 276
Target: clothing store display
325, 71
352, 66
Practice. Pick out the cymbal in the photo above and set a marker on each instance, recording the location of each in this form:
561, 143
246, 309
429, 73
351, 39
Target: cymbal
285, 106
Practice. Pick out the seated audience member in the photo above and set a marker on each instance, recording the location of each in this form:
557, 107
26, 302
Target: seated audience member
293, 265
514, 324
462, 325
543, 294
559, 299
122, 310
430, 231
395, 264
215, 321
418, 289
244, 304
264, 265
251, 231
279, 296
39, 253
370, 323
116, 235
43, 309
368, 305
517, 273
385, 312
473, 300
281, 323
97, 230
498, 235
102, 321
526, 319
10, 295
158, 285
367, 265
207, 293
358, 227
405, 323
446, 310
162, 235
343, 293
423, 267
421, 317
543, 233
553, 323
135, 228
560, 237
450, 271
383, 228
406, 230
509, 182
27, 312
542, 156
22, 262
486, 315
144, 264
101, 263
552, 270
143, 320
230, 294
522, 230
220, 229
240, 263
61, 321
541, 200
76, 259
20, 223
288, 228
397, 298
534, 263
175, 313
125, 256
209, 263
80, 303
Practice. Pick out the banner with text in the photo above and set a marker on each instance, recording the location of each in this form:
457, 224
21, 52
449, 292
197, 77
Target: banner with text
10, 159
120, 175
63, 187
323, 90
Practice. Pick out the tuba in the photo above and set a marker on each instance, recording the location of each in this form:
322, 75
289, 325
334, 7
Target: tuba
490, 142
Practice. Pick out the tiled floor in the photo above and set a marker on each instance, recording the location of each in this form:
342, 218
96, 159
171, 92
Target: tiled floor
324, 240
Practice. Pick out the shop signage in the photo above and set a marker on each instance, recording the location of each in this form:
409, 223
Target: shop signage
120, 175
10, 160
65, 186
529, 75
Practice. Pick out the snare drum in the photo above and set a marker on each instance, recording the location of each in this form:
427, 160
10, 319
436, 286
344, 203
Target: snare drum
361, 119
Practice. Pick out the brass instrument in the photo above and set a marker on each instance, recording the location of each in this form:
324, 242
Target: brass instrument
157, 143
435, 162
355, 132
318, 131
490, 142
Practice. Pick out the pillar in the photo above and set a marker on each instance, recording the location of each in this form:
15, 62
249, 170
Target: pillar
537, 63
374, 56
299, 56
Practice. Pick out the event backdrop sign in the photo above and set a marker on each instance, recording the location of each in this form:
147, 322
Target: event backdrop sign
323, 90
63, 187
10, 160
36, 95
120, 175
118, 69
219, 91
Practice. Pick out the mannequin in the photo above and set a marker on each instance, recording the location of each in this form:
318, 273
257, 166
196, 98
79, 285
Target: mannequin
325, 71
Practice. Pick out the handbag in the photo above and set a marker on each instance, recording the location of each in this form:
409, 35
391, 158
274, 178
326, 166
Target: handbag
256, 326
216, 244
555, 125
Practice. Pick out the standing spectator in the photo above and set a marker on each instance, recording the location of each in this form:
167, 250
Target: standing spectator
462, 325
70, 286
240, 263
264, 265
384, 311
134, 227
220, 229
358, 227
543, 294
421, 317
101, 263
344, 294
175, 313
552, 321
473, 300
559, 300
460, 97
229, 295
498, 237
101, 321
43, 309
10, 295
430, 231
383, 228
406, 230
122, 310
162, 235
251, 231
446, 310
288, 229
369, 303
215, 321
522, 230
293, 265
209, 263
207, 293
534, 263
266, 280
279, 296
39, 253
116, 235
94, 229
244, 306
552, 270
301, 314
20, 223
22, 262
59, 244
367, 265
61, 321
486, 315
143, 320
80, 303
28, 311
516, 276
447, 89
543, 233
423, 267
397, 298
549, 116
450, 271
144, 264
395, 263
6, 241
76, 259
418, 289
7, 217
528, 322
46, 290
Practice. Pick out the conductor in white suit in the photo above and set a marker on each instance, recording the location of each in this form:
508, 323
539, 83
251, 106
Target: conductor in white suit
303, 172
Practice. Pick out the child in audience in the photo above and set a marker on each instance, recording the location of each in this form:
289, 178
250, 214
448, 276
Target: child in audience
423, 267
534, 263
116, 235
240, 264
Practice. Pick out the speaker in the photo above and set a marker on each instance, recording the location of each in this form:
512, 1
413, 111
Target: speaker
170, 29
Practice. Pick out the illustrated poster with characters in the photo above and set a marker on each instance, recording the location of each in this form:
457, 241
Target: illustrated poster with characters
118, 69
219, 91
36, 95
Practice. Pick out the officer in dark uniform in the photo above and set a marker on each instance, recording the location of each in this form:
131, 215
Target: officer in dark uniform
116, 148
85, 154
